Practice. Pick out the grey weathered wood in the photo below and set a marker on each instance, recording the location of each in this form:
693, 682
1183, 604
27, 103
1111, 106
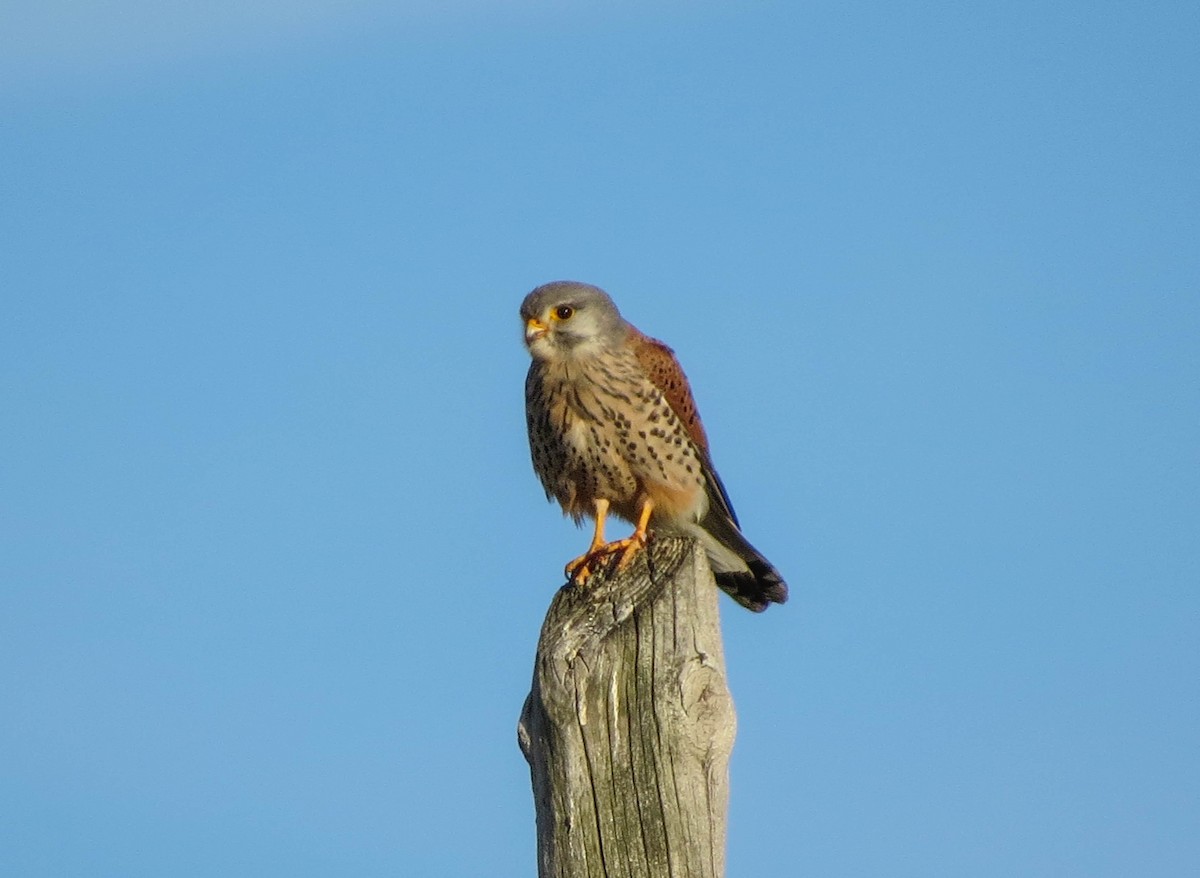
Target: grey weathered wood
629, 725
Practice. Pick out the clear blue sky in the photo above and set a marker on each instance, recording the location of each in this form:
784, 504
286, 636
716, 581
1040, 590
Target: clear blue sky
273, 559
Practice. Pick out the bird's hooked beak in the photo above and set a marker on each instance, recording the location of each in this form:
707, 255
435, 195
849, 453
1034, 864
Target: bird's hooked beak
534, 329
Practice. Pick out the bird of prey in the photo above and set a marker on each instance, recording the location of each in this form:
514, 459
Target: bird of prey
613, 428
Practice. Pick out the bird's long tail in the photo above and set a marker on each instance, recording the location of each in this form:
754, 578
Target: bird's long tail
739, 568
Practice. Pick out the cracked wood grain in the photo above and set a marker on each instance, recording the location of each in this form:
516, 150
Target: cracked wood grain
629, 724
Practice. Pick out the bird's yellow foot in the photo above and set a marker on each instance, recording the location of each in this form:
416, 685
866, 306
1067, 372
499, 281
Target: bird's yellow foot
626, 549
582, 568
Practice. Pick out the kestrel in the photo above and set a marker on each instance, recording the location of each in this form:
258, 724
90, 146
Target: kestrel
613, 428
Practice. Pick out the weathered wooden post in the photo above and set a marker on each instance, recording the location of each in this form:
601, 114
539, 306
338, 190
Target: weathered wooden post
629, 725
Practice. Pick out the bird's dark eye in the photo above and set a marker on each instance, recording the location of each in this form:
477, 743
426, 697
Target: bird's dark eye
564, 312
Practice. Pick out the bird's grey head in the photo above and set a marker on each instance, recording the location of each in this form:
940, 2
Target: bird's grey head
566, 319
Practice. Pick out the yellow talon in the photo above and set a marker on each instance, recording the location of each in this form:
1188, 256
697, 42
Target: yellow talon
581, 569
